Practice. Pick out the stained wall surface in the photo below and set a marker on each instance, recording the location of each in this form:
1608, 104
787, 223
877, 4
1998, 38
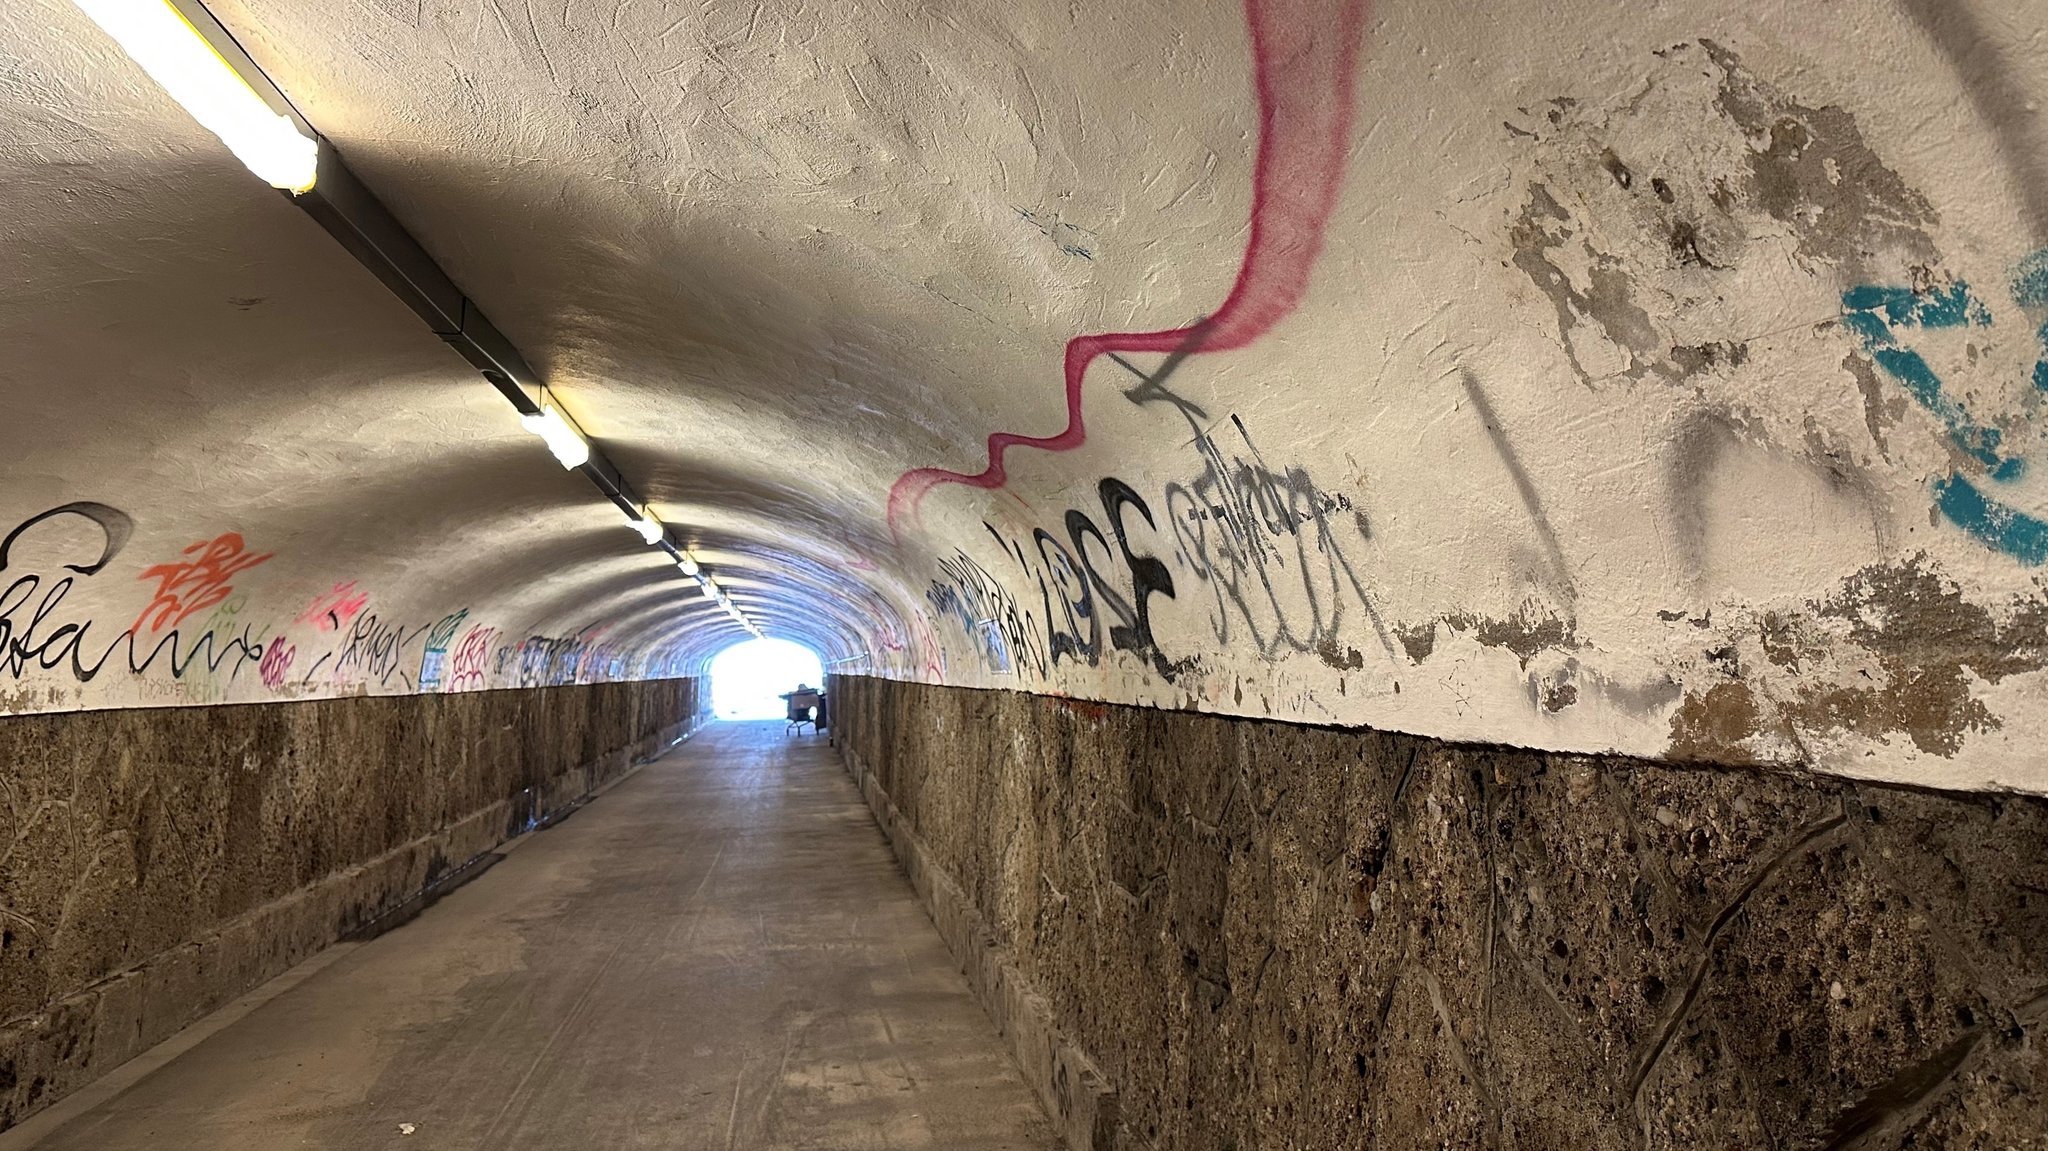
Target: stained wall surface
1268, 935
162, 861
1659, 379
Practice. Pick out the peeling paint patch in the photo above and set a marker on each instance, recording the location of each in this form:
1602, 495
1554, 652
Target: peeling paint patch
1417, 641
1556, 691
1716, 724
1525, 633
1811, 170
1538, 235
1881, 408
1343, 659
1925, 645
1629, 246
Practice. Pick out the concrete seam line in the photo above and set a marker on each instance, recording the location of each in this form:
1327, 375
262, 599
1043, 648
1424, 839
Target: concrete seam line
1069, 1084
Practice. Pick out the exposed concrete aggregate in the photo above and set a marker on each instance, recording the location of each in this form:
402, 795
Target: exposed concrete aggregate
1268, 935
160, 862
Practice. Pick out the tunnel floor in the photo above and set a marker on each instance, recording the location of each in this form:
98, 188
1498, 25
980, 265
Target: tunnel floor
718, 953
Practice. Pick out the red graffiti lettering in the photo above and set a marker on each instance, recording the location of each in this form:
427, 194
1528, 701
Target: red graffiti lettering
194, 584
471, 658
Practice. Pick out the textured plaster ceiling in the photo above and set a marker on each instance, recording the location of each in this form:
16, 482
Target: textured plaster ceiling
1537, 401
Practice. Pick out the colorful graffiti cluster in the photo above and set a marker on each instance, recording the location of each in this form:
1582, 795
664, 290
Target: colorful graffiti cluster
210, 628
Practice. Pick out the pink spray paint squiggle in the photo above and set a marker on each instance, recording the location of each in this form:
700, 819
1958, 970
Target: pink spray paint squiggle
1305, 61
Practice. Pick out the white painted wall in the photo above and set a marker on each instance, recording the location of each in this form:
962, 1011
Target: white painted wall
1576, 394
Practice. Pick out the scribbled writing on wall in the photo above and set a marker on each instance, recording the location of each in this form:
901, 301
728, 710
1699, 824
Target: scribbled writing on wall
1267, 544
1091, 575
1880, 316
201, 630
470, 665
38, 632
1271, 546
276, 666
1000, 631
542, 661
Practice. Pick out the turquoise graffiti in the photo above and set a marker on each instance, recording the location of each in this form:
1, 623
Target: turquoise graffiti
1879, 316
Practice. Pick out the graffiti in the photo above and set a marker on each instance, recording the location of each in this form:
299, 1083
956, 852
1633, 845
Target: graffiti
189, 586
1876, 315
114, 524
1268, 542
1071, 239
546, 661
1083, 584
333, 609
1002, 633
436, 654
1304, 66
221, 625
374, 645
22, 641
1265, 541
276, 664
933, 662
466, 668
196, 636
37, 633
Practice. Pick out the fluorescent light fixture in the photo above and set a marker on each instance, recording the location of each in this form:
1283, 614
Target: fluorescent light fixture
563, 440
167, 46
688, 563
649, 527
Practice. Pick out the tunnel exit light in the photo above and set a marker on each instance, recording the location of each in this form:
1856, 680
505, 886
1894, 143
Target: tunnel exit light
167, 46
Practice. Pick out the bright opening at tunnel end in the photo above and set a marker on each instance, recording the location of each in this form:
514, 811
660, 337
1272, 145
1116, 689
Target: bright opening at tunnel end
748, 679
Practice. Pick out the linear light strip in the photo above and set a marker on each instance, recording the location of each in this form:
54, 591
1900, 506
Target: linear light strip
187, 51
186, 64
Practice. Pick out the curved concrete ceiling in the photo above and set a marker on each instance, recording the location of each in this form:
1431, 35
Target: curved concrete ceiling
1661, 379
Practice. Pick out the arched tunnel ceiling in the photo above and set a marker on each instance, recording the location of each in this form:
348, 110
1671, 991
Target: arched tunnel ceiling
1651, 378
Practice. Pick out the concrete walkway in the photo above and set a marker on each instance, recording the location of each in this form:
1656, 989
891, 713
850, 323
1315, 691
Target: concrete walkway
719, 953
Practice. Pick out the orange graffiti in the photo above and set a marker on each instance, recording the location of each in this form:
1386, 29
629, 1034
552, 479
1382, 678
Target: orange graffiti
331, 609
195, 584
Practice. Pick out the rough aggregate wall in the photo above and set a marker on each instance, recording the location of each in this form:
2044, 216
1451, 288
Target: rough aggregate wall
1269, 935
162, 861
